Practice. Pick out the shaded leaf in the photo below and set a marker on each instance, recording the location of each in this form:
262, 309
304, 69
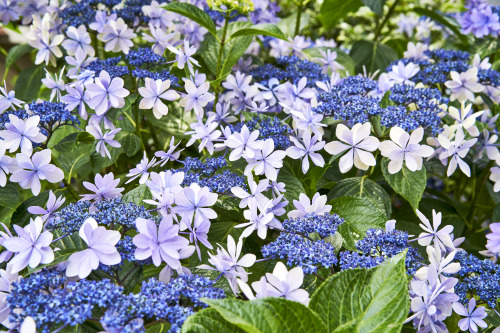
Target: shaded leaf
9, 194
372, 56
260, 30
194, 13
208, 320
334, 10
29, 82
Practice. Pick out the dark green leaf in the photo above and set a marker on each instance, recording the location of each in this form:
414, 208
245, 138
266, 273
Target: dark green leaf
85, 137
260, 30
359, 216
21, 215
29, 82
15, 53
131, 143
410, 185
194, 13
73, 160
377, 6
363, 188
293, 185
365, 300
208, 320
9, 194
372, 56
333, 10
66, 144
268, 315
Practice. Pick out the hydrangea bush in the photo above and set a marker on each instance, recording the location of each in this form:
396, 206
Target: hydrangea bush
250, 166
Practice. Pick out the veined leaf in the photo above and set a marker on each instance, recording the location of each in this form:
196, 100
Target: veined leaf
194, 13
260, 30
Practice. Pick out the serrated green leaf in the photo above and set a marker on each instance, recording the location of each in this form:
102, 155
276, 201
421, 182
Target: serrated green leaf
208, 320
268, 315
138, 195
9, 194
67, 143
194, 13
260, 30
29, 82
359, 216
365, 300
409, 184
363, 187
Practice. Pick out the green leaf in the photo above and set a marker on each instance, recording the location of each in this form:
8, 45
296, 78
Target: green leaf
29, 82
73, 160
363, 188
268, 315
15, 53
194, 13
293, 185
233, 49
260, 30
130, 276
21, 215
70, 242
365, 300
85, 137
447, 21
333, 10
287, 24
131, 143
208, 320
410, 185
359, 216
9, 194
137, 195
67, 143
377, 6
372, 56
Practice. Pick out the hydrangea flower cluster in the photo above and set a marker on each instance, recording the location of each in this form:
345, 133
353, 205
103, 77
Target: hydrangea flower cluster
306, 242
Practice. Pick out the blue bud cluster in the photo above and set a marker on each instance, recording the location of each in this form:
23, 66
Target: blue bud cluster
164, 75
298, 242
205, 174
106, 212
489, 77
51, 113
142, 56
424, 112
173, 301
291, 69
77, 14
51, 300
379, 245
109, 65
269, 128
479, 277
350, 101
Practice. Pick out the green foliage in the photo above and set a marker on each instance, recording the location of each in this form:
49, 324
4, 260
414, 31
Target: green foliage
194, 13
359, 216
372, 55
29, 82
260, 29
333, 11
9, 195
267, 315
410, 185
365, 300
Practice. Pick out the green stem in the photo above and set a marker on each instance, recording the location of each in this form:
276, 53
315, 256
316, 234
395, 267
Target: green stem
299, 15
387, 16
475, 196
219, 57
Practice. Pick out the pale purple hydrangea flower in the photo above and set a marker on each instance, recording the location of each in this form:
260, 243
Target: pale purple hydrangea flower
165, 181
55, 84
4, 235
78, 41
258, 219
256, 192
106, 93
153, 92
464, 85
196, 97
457, 150
493, 243
35, 168
244, 143
194, 202
31, 246
159, 39
229, 263
266, 161
359, 143
161, 243
281, 283
117, 36
76, 99
7, 166
6, 279
170, 154
474, 316
441, 237
207, 133
141, 170
21, 133
53, 204
307, 149
104, 188
8, 99
404, 147
401, 73
102, 139
101, 249
184, 56
306, 206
